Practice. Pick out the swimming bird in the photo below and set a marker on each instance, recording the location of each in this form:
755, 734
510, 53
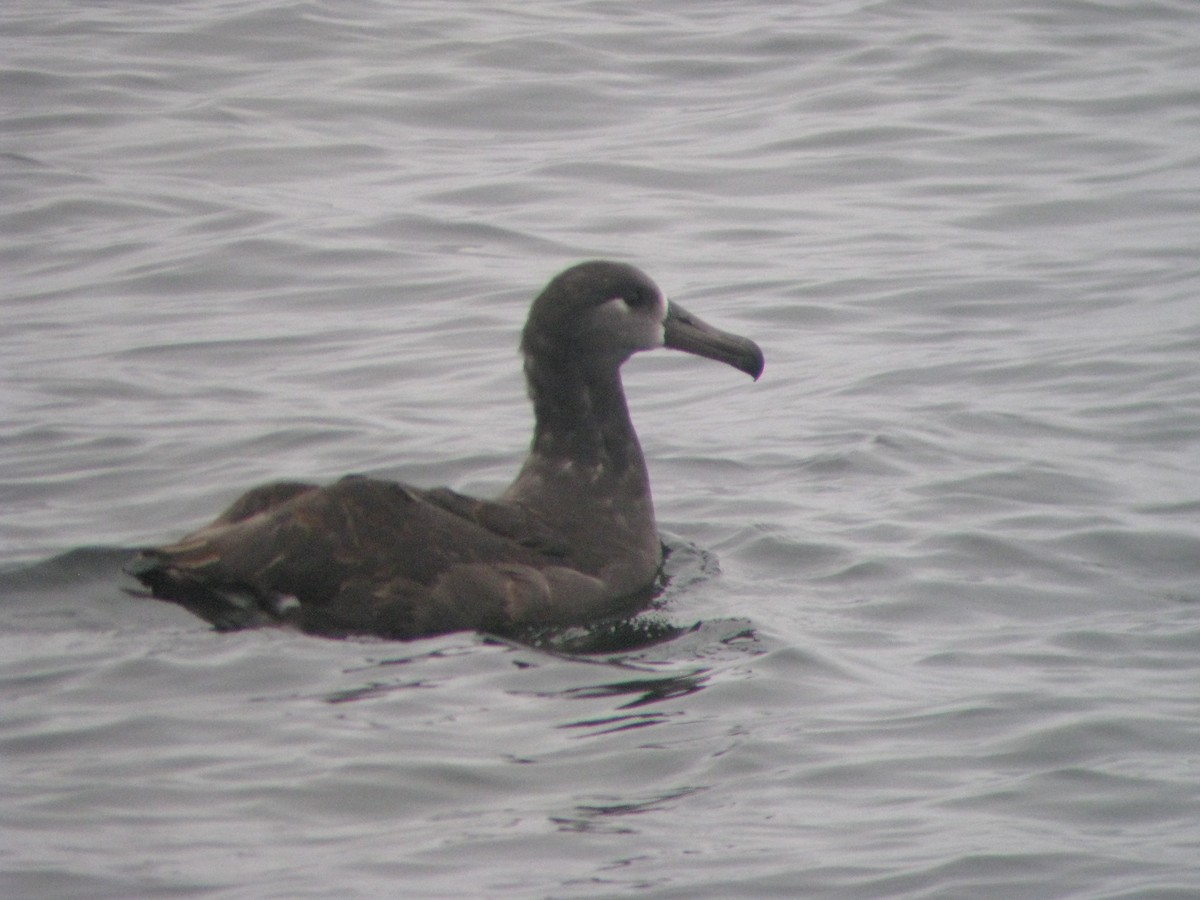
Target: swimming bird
570, 542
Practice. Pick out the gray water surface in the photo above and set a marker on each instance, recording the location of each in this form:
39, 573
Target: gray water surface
938, 572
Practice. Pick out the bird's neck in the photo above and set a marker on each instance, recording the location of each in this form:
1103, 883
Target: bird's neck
585, 477
583, 439
580, 414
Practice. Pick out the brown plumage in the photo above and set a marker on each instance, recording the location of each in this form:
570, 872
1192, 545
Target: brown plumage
571, 541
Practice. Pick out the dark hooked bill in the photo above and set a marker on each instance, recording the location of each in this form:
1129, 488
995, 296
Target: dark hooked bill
691, 334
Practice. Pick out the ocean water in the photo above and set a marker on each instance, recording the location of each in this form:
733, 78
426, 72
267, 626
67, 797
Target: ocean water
937, 573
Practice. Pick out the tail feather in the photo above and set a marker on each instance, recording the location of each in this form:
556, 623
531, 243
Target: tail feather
225, 607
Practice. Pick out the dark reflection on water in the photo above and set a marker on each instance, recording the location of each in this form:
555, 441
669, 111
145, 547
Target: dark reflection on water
624, 636
648, 690
373, 690
607, 818
614, 724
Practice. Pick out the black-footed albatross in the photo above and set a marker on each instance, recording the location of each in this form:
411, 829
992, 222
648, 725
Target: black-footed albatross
571, 541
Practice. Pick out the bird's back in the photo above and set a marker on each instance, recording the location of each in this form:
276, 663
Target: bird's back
359, 556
